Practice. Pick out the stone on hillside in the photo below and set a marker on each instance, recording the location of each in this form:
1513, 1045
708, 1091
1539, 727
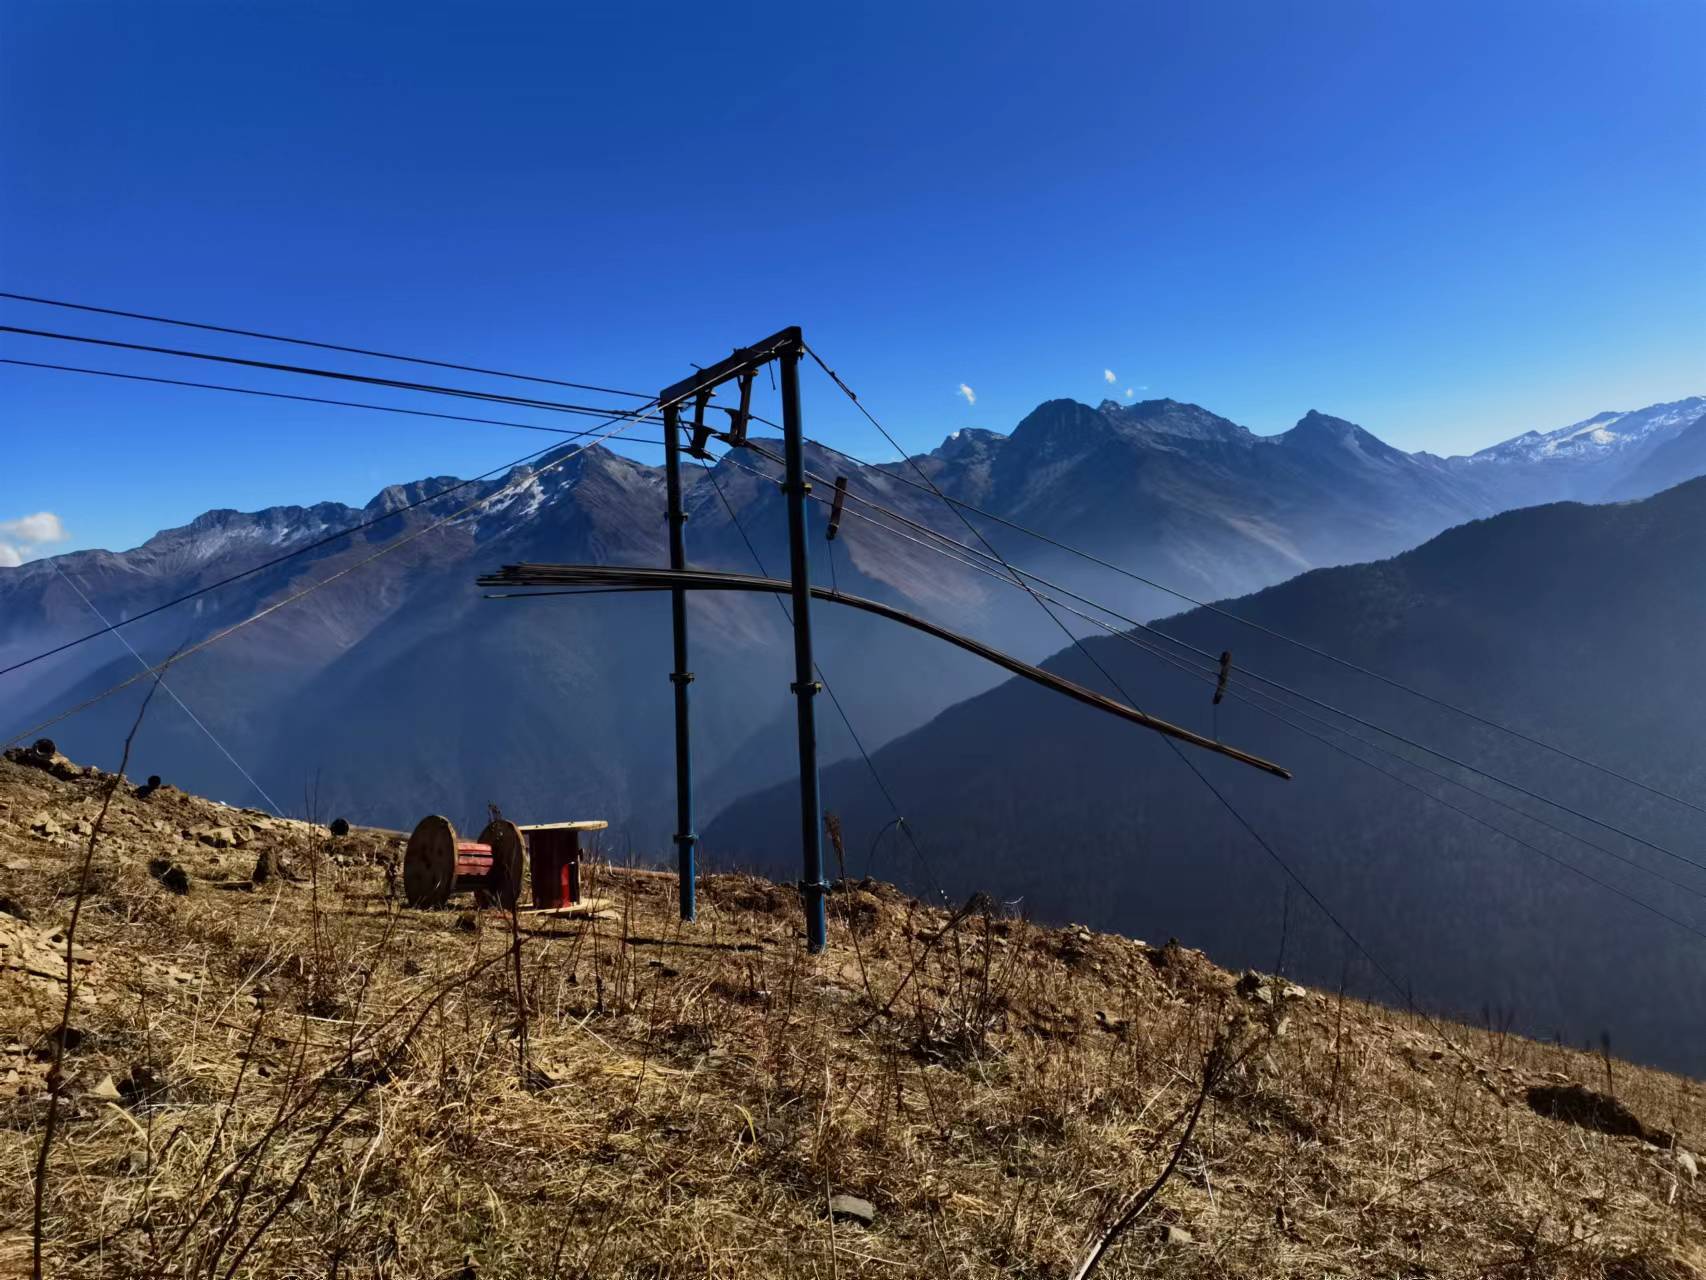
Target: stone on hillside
1253, 986
44, 755
105, 1090
170, 874
219, 838
1690, 1166
1174, 1235
845, 1208
44, 825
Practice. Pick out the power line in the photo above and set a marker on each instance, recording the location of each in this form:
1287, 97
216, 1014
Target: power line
1476, 818
1210, 677
315, 545
323, 346
1088, 556
345, 404
1185, 759
170, 692
1256, 675
899, 818
525, 402
1092, 558
342, 573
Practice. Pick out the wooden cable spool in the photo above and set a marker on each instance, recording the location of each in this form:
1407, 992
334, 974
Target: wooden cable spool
436, 864
508, 849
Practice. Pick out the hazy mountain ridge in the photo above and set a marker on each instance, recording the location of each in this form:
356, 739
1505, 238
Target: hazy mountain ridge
375, 683
1567, 621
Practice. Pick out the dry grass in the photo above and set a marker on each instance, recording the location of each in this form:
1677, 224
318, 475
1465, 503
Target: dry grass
314, 1081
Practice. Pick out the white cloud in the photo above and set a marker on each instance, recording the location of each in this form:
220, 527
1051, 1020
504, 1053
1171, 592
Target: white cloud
1128, 393
22, 539
1108, 377
968, 393
43, 526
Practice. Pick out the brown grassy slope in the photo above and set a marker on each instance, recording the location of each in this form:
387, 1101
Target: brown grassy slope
311, 1080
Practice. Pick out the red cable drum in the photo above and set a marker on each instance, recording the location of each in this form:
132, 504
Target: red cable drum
437, 864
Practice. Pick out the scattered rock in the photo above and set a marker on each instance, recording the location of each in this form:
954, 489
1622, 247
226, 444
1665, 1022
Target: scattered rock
845, 1208
1174, 1235
12, 907
1253, 986
1108, 1022
44, 825
105, 1090
1266, 990
1689, 1165
142, 1084
220, 838
73, 1039
170, 874
44, 755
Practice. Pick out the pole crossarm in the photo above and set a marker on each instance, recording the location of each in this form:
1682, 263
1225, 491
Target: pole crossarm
743, 359
573, 579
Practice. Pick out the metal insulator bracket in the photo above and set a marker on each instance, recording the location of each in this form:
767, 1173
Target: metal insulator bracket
836, 509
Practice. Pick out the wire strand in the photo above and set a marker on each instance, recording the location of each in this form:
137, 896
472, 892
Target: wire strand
390, 547
170, 692
1369, 672
323, 346
344, 404
1285, 688
899, 819
1225, 803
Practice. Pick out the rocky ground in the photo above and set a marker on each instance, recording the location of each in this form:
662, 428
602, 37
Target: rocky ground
273, 1067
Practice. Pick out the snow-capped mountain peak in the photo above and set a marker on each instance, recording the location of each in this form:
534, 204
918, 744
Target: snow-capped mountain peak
1603, 434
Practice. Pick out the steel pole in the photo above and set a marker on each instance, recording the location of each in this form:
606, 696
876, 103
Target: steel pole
685, 837
812, 886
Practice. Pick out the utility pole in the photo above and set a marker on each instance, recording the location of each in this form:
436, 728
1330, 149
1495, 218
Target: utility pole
685, 837
812, 885
785, 347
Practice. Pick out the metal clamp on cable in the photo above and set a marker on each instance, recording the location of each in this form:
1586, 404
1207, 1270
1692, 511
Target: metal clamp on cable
811, 686
692, 837
809, 888
681, 677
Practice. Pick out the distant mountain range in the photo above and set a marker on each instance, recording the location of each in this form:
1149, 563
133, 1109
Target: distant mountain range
1577, 624
398, 689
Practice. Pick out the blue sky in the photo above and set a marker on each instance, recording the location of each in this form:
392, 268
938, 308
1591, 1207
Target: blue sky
1449, 222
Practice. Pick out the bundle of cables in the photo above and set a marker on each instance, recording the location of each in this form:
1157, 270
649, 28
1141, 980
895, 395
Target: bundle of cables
548, 580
